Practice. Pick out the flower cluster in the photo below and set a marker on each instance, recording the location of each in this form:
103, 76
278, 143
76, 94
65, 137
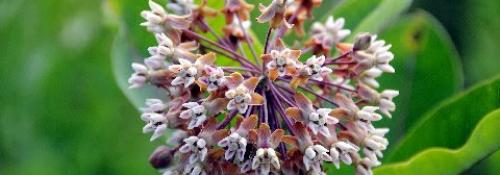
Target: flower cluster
279, 110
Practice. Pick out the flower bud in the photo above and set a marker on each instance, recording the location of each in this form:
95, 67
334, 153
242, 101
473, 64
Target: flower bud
162, 157
362, 42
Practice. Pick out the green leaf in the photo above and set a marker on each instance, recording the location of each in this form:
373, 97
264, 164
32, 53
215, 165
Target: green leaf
486, 166
386, 12
122, 56
474, 33
352, 17
427, 70
480, 39
450, 123
482, 142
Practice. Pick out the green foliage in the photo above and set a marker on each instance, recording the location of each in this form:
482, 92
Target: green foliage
122, 56
421, 48
385, 12
449, 124
61, 111
482, 142
474, 28
481, 46
353, 17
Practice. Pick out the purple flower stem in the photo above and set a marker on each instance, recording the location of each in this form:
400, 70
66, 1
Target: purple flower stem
247, 38
236, 55
332, 61
314, 93
318, 95
228, 119
212, 31
275, 90
245, 64
281, 111
242, 51
272, 114
249, 111
282, 150
263, 117
261, 113
305, 50
268, 38
334, 85
275, 123
240, 69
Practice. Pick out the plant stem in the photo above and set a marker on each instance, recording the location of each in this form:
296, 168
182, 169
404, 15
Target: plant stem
247, 38
244, 64
273, 88
311, 92
334, 85
236, 55
339, 57
318, 95
212, 31
281, 111
242, 51
240, 69
228, 119
268, 38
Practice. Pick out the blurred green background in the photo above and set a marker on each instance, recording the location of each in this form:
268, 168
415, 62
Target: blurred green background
62, 111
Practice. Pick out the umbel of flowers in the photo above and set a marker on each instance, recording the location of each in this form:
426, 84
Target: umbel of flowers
276, 110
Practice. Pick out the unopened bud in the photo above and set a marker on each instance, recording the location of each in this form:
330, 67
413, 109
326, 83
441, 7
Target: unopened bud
362, 42
161, 157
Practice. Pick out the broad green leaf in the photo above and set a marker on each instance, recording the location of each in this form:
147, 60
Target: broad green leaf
427, 70
482, 142
449, 123
386, 12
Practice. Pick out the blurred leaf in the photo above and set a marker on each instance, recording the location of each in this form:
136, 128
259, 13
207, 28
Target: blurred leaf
456, 117
475, 33
386, 12
123, 55
482, 142
353, 17
480, 36
427, 70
